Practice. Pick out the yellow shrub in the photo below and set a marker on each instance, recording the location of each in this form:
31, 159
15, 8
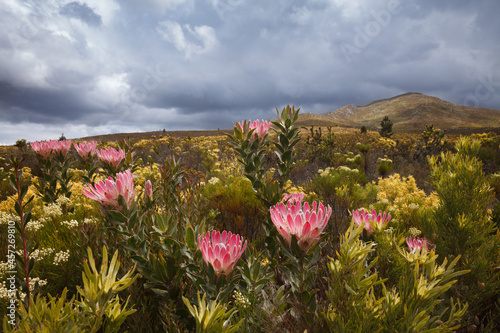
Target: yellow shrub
403, 199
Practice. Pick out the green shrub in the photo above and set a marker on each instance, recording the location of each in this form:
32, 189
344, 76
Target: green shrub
240, 210
344, 189
360, 301
462, 226
386, 127
384, 166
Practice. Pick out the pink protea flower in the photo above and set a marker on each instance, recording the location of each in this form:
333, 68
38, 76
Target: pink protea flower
148, 189
62, 146
85, 148
42, 148
294, 197
221, 250
417, 244
111, 156
260, 129
304, 223
371, 220
107, 192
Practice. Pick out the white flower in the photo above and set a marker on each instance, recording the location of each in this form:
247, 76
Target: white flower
63, 200
36, 224
414, 206
89, 221
240, 300
61, 257
70, 224
213, 180
52, 210
38, 254
6, 217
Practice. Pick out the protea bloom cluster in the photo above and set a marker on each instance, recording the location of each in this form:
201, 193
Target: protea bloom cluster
42, 148
370, 220
111, 156
45, 148
62, 147
221, 250
294, 197
417, 244
260, 128
300, 220
85, 149
107, 192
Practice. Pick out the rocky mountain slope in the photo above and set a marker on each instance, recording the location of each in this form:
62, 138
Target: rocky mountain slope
409, 112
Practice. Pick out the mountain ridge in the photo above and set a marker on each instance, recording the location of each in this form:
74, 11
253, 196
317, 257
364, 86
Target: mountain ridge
409, 112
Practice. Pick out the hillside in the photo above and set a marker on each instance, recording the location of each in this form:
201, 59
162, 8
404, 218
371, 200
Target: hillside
409, 112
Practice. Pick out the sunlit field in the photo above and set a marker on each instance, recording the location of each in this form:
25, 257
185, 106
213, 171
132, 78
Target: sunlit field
273, 228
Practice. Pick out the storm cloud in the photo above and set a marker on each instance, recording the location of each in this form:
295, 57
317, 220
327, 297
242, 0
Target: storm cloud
96, 67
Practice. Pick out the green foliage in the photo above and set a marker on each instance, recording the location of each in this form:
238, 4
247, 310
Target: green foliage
362, 147
240, 210
97, 310
432, 142
256, 275
252, 150
363, 129
316, 138
384, 166
21, 144
213, 317
101, 287
463, 226
494, 180
386, 128
344, 185
360, 301
56, 315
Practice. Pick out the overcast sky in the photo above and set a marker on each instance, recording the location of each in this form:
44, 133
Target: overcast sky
105, 66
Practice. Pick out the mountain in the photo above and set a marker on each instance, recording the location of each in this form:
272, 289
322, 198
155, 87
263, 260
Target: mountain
409, 112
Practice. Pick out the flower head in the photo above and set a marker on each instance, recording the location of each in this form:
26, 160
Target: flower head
221, 250
85, 148
45, 148
301, 221
111, 156
61, 146
148, 189
370, 220
107, 192
417, 244
261, 128
294, 197
42, 148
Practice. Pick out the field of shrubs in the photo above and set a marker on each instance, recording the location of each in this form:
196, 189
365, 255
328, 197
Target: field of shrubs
274, 228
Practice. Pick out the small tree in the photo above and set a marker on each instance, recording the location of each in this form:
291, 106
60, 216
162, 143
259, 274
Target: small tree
363, 129
386, 127
21, 144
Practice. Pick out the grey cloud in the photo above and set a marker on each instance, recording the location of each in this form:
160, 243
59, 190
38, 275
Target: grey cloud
41, 105
82, 12
250, 57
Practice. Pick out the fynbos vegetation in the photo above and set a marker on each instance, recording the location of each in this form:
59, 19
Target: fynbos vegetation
275, 227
